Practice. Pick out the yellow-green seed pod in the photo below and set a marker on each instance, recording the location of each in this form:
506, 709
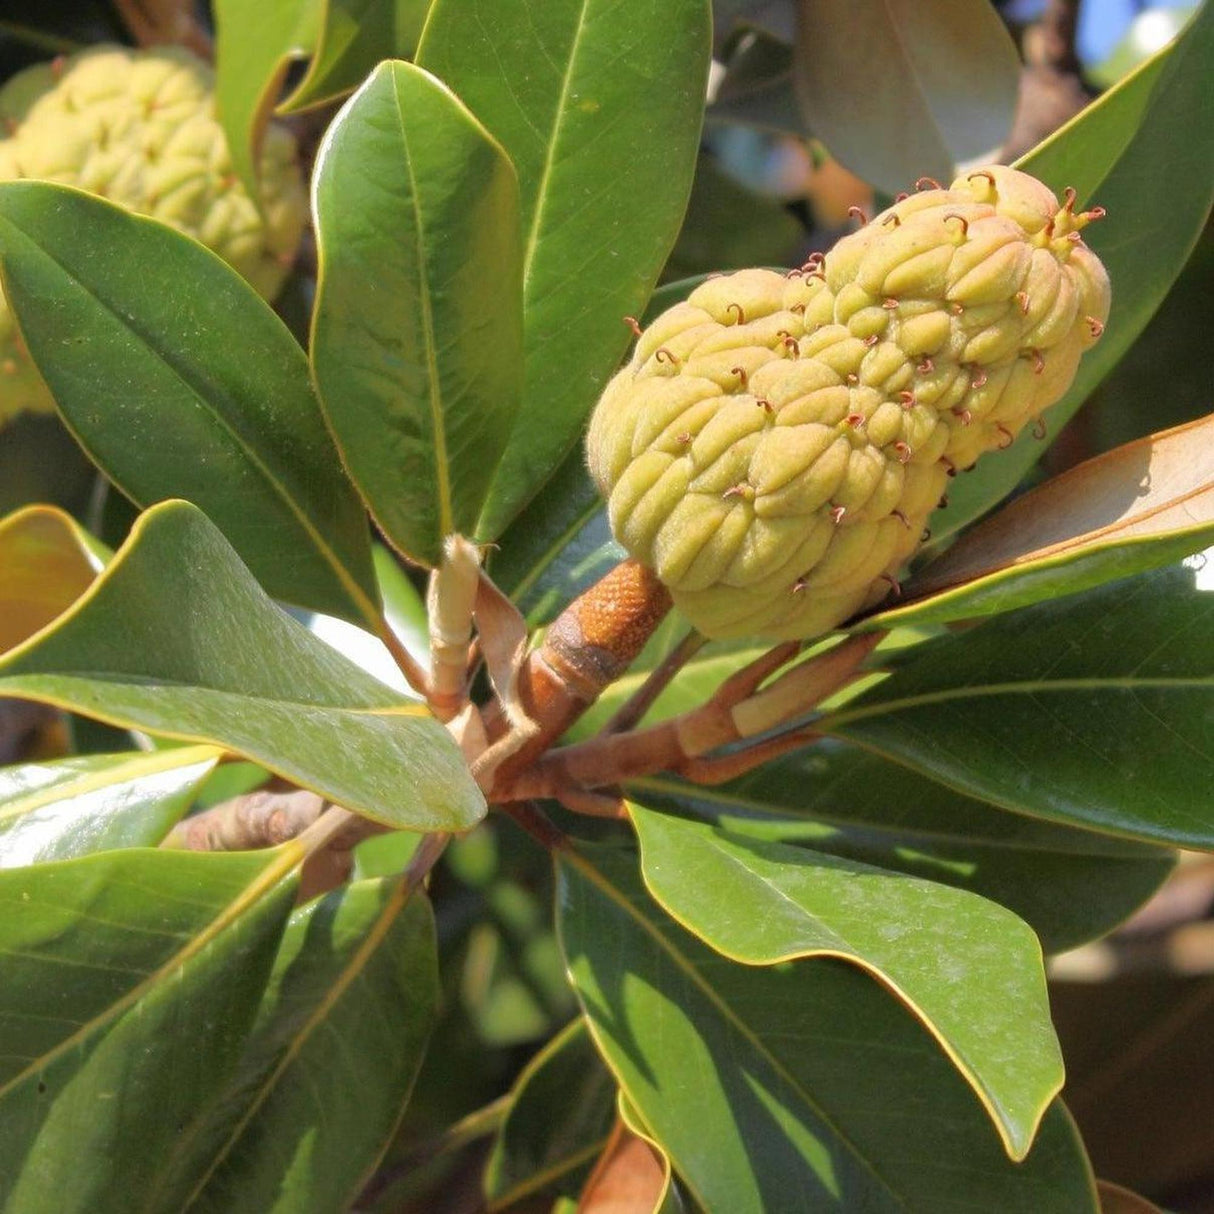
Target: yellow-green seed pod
776, 444
138, 127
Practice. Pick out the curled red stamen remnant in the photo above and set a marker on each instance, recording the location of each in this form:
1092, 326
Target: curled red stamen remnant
738, 308
925, 535
1008, 440
857, 213
837, 513
1094, 214
871, 340
740, 372
942, 502
1095, 326
683, 438
1035, 355
904, 452
949, 467
901, 518
964, 415
890, 305
901, 197
1074, 238
795, 273
634, 325
961, 219
979, 380
740, 490
1022, 298
927, 182
798, 585
893, 218
926, 367
1039, 429
852, 379
816, 274
894, 585
855, 420
956, 308
798, 309
670, 358
1069, 195
765, 404
790, 345
990, 177
814, 260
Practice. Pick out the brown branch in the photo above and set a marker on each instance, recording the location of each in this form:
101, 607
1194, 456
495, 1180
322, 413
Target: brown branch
738, 710
640, 702
591, 643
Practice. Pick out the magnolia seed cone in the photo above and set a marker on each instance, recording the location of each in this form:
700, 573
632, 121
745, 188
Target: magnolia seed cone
776, 444
139, 127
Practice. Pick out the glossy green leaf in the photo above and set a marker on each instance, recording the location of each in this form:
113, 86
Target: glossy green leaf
417, 330
1145, 152
562, 1107
966, 967
1070, 885
255, 45
1139, 507
176, 637
803, 1080
940, 79
354, 35
131, 981
601, 114
49, 561
329, 1067
180, 382
72, 807
1094, 710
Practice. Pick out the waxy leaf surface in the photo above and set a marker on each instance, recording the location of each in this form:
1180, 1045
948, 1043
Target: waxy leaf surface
177, 637
330, 1063
72, 807
417, 330
601, 116
966, 967
1069, 885
180, 381
131, 981
799, 1088
1095, 710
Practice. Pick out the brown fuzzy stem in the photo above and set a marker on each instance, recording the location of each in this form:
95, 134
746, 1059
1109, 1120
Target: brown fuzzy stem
591, 643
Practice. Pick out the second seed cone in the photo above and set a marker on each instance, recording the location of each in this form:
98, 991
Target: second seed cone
776, 444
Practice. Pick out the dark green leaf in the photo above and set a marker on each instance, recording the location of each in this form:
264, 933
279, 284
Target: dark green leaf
180, 382
1144, 151
72, 807
561, 1111
255, 46
176, 637
601, 115
899, 89
354, 36
966, 967
798, 1088
131, 981
1094, 710
49, 561
1070, 885
330, 1063
417, 332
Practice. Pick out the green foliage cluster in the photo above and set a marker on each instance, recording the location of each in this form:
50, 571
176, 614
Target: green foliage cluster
817, 986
